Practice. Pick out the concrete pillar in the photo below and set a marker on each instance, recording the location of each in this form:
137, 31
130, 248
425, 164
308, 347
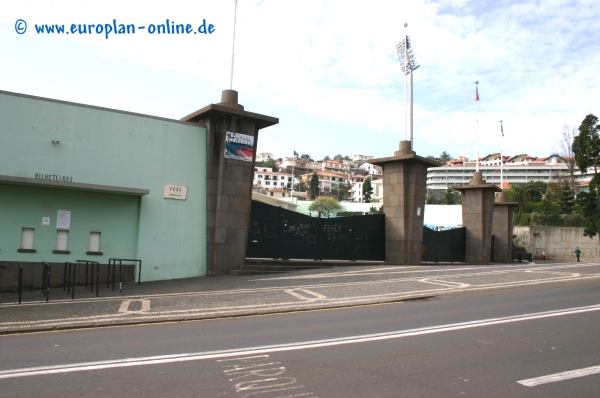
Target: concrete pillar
404, 192
228, 181
502, 228
477, 201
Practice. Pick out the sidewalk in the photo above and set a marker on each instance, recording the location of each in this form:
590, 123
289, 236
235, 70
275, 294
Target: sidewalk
225, 296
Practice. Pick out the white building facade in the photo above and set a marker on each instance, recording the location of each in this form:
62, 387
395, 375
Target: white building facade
269, 180
515, 170
356, 192
264, 156
371, 169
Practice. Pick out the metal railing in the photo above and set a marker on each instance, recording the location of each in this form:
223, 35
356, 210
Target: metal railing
70, 280
91, 275
20, 283
46, 280
113, 262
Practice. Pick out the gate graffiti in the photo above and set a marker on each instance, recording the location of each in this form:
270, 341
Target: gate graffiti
444, 246
279, 233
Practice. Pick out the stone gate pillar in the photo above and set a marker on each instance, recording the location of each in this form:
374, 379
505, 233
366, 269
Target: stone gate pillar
228, 181
477, 201
502, 228
404, 192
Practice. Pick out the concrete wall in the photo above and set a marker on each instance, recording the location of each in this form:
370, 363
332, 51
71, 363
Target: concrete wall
559, 243
105, 147
119, 232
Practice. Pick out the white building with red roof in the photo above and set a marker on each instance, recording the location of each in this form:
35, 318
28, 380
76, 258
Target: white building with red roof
266, 179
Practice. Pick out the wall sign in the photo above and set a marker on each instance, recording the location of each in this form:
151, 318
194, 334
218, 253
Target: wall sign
45, 220
53, 177
239, 146
174, 191
63, 219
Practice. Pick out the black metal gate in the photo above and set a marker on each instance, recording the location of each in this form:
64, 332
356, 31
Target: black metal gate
280, 233
444, 246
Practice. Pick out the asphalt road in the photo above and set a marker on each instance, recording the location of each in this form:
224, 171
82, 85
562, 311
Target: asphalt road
484, 344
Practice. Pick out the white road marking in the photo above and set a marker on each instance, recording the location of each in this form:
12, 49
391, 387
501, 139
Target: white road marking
312, 296
455, 285
124, 308
571, 374
162, 359
373, 272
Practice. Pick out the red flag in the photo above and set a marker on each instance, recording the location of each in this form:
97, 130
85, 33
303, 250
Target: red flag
476, 94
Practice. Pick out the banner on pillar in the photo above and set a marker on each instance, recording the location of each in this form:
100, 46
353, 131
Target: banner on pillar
239, 146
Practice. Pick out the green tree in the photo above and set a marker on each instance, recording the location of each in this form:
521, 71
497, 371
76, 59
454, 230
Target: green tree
314, 186
302, 186
520, 194
586, 147
537, 190
451, 197
326, 158
588, 203
547, 206
566, 199
306, 157
340, 190
338, 157
271, 164
324, 206
443, 159
367, 190
587, 155
431, 200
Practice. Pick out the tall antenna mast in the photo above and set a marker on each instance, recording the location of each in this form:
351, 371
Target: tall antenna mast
477, 126
409, 64
233, 46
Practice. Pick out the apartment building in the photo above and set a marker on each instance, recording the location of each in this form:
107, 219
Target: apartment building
515, 169
266, 179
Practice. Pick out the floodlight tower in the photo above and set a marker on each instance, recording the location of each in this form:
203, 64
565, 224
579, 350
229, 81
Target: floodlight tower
409, 64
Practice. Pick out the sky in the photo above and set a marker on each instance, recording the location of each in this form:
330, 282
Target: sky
327, 69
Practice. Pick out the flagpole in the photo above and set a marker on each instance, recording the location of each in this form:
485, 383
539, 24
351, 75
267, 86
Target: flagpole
501, 159
405, 83
233, 46
477, 127
293, 165
410, 135
501, 163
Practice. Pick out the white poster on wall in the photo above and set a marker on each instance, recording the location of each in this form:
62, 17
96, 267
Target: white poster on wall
63, 219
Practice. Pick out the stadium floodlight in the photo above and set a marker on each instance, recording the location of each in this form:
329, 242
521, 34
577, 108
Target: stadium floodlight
409, 64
